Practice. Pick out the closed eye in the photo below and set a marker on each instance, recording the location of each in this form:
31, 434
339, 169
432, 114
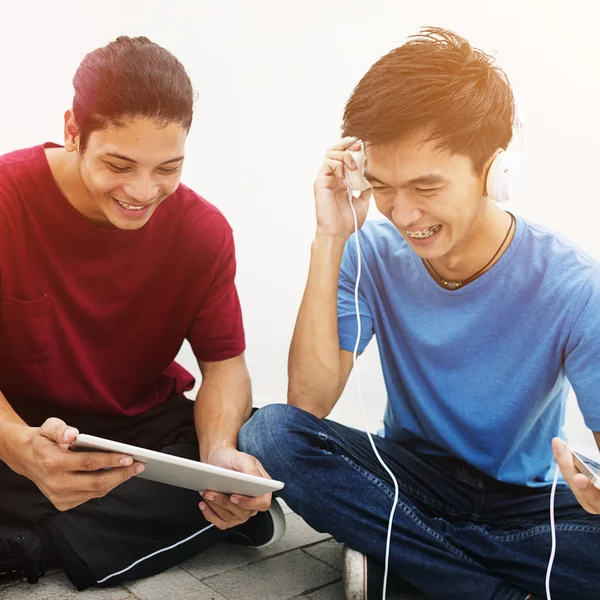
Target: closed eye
115, 168
427, 191
165, 171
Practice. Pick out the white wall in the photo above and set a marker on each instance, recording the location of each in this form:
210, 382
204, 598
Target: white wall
273, 78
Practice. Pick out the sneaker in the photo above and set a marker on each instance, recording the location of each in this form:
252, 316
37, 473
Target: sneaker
363, 576
20, 553
363, 579
261, 531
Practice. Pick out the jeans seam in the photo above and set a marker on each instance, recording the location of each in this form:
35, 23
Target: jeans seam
408, 511
530, 532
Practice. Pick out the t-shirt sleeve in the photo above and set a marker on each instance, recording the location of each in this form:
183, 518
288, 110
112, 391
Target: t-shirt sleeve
582, 355
217, 330
347, 322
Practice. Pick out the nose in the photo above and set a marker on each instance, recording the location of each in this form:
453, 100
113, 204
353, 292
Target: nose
142, 190
404, 212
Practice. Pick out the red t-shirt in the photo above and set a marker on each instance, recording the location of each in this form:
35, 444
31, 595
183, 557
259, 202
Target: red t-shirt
92, 318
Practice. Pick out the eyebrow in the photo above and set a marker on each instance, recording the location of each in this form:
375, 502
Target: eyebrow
429, 179
126, 158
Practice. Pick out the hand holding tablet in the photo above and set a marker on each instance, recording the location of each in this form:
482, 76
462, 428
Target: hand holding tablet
182, 472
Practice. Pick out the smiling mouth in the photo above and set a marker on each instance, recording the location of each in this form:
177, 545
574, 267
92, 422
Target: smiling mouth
130, 206
423, 234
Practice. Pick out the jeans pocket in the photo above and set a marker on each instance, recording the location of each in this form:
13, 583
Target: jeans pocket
26, 330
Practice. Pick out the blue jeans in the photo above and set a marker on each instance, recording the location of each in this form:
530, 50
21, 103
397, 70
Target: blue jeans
458, 534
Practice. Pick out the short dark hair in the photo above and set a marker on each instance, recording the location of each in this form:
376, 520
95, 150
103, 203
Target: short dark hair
436, 82
130, 77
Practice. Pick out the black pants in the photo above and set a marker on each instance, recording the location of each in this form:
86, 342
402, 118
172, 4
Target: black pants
141, 527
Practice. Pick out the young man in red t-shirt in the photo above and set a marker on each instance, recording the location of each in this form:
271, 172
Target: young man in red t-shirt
107, 263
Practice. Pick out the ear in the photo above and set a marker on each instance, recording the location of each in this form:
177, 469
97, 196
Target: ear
486, 169
71, 132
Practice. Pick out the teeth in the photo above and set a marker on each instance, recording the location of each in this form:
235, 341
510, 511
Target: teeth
421, 235
128, 207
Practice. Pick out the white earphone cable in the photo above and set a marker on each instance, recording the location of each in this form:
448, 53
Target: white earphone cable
354, 357
553, 532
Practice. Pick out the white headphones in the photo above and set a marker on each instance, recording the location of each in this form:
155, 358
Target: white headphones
502, 177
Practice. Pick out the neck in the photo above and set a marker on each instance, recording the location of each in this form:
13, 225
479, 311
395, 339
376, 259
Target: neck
478, 245
65, 171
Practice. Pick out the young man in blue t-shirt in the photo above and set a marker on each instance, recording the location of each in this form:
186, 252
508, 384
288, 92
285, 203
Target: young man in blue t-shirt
482, 320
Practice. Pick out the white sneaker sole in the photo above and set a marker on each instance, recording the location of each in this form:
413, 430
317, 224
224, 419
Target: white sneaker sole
354, 574
278, 517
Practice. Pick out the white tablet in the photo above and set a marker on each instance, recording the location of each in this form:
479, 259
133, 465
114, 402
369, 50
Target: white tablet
182, 472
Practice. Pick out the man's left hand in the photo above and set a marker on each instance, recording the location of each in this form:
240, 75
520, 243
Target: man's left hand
587, 495
230, 511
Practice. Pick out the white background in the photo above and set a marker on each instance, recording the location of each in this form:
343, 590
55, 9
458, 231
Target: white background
272, 79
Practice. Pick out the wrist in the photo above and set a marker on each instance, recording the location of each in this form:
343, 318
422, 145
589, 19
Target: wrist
209, 451
15, 443
326, 237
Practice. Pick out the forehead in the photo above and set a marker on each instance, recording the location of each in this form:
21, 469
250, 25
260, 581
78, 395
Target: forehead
140, 139
411, 157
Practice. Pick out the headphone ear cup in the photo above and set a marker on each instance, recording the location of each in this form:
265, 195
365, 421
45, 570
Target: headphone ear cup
502, 176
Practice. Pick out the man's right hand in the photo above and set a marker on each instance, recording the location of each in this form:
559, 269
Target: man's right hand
69, 478
334, 215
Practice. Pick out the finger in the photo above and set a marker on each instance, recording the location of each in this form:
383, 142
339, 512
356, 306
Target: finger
260, 503
332, 168
344, 157
221, 501
58, 431
212, 517
564, 459
94, 461
579, 483
229, 516
99, 484
261, 470
347, 143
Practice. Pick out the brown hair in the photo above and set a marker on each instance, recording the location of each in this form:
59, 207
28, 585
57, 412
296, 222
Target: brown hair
130, 77
438, 83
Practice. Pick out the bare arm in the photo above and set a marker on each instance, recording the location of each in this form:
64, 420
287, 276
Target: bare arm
318, 369
597, 438
223, 404
12, 430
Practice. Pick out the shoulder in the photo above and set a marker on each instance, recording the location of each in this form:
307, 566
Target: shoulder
17, 169
556, 253
19, 164
199, 226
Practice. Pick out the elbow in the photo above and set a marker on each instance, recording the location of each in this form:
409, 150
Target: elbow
309, 403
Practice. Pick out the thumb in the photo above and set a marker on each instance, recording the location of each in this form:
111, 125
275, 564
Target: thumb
365, 195
564, 458
58, 431
244, 463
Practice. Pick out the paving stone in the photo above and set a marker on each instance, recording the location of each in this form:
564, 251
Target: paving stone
224, 557
331, 592
329, 552
174, 583
58, 587
277, 578
219, 559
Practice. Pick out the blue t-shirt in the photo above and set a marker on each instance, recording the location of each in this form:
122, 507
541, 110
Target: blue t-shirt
480, 373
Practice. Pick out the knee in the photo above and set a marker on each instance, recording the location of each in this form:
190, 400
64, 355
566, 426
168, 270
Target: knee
269, 435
